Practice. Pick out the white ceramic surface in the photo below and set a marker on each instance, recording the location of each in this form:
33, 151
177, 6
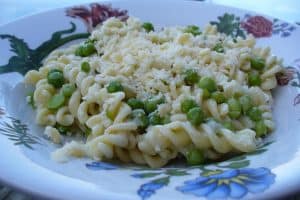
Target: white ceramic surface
25, 162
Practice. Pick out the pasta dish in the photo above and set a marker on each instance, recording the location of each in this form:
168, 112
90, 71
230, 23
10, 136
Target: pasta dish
138, 94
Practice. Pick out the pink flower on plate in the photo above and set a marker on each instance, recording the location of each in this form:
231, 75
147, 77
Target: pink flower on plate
95, 14
259, 26
285, 77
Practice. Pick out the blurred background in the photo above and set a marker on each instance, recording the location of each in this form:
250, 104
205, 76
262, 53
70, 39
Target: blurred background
288, 10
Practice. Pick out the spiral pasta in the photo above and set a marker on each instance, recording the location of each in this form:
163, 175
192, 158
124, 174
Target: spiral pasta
145, 96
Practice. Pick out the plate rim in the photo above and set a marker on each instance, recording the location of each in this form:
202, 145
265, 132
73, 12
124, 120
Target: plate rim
36, 193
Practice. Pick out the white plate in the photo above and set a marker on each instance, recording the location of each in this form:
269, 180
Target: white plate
271, 171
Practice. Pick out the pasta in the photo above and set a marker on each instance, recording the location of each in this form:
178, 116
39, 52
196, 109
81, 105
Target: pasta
144, 96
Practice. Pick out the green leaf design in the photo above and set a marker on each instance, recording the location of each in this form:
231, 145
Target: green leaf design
258, 151
27, 59
18, 46
176, 172
18, 132
237, 165
2, 112
238, 158
163, 180
295, 84
230, 25
148, 175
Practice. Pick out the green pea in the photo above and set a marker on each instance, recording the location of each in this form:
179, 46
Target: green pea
206, 94
260, 128
56, 101
68, 89
191, 77
235, 108
254, 79
87, 132
219, 48
255, 114
56, 78
188, 104
155, 119
140, 118
166, 119
257, 63
85, 67
207, 83
228, 125
196, 116
160, 99
246, 103
79, 51
237, 94
135, 103
85, 49
62, 129
114, 86
195, 157
218, 97
148, 26
192, 29
151, 104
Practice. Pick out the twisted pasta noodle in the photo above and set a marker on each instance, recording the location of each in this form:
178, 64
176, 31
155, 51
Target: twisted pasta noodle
210, 30
218, 111
249, 41
267, 116
32, 77
64, 117
179, 135
71, 73
86, 83
232, 87
53, 134
82, 113
113, 103
102, 147
74, 102
244, 57
43, 92
97, 124
45, 117
136, 156
258, 96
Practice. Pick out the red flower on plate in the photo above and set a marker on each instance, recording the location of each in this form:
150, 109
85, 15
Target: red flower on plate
259, 26
284, 78
95, 14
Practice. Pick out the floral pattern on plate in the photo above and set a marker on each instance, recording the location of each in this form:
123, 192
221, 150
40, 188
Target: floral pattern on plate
291, 76
233, 183
258, 26
95, 14
225, 179
230, 179
17, 131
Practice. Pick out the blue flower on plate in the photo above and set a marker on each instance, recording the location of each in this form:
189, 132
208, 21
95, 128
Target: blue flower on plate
148, 189
101, 166
233, 183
